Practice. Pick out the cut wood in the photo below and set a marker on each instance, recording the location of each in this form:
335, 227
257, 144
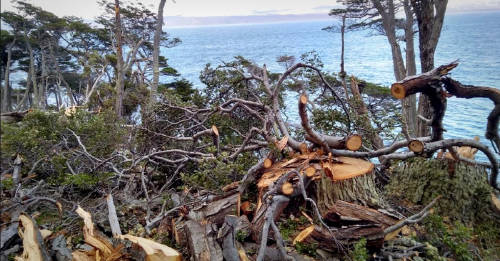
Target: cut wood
347, 168
202, 245
311, 172
325, 240
33, 245
416, 146
154, 251
268, 163
215, 131
345, 212
360, 189
464, 151
287, 189
414, 84
216, 211
97, 239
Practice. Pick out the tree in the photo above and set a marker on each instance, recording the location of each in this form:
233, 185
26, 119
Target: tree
430, 16
381, 16
156, 51
120, 72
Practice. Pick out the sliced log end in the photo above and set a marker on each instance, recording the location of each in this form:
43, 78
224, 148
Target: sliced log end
347, 168
354, 142
416, 146
287, 189
303, 99
215, 130
268, 163
310, 172
398, 91
303, 234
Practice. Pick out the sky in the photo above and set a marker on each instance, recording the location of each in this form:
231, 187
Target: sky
89, 9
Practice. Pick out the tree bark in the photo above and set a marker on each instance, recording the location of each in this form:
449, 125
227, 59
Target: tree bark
201, 241
410, 103
32, 73
6, 102
156, 50
430, 16
120, 74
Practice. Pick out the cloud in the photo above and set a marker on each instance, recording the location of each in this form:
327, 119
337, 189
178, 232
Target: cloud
272, 11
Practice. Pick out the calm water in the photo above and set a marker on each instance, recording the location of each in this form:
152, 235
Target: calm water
472, 38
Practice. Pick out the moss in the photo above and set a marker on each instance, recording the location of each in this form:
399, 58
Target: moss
306, 249
7, 184
359, 251
290, 227
241, 235
464, 190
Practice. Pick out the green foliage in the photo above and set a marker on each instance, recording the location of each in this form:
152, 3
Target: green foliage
213, 174
7, 183
47, 137
241, 235
306, 249
456, 239
488, 239
83, 181
359, 251
290, 227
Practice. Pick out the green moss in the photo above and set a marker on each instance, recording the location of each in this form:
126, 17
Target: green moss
241, 235
359, 251
306, 249
464, 190
7, 184
291, 227
456, 239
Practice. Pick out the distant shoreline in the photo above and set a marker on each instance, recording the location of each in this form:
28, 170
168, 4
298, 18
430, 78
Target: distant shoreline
179, 22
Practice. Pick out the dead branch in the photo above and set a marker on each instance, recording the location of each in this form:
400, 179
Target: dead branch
470, 91
413, 219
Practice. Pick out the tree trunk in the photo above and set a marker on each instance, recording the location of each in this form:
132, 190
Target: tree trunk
156, 50
32, 73
6, 103
360, 190
429, 30
410, 103
43, 82
120, 74
69, 93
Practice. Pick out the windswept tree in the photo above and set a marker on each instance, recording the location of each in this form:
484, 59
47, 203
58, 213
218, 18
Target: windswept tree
430, 17
381, 16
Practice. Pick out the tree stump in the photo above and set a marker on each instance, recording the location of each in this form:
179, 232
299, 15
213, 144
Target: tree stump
347, 179
464, 188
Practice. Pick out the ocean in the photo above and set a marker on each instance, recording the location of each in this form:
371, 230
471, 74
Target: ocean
472, 38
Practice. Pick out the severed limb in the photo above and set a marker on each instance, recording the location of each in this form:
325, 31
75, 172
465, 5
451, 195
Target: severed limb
470, 91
